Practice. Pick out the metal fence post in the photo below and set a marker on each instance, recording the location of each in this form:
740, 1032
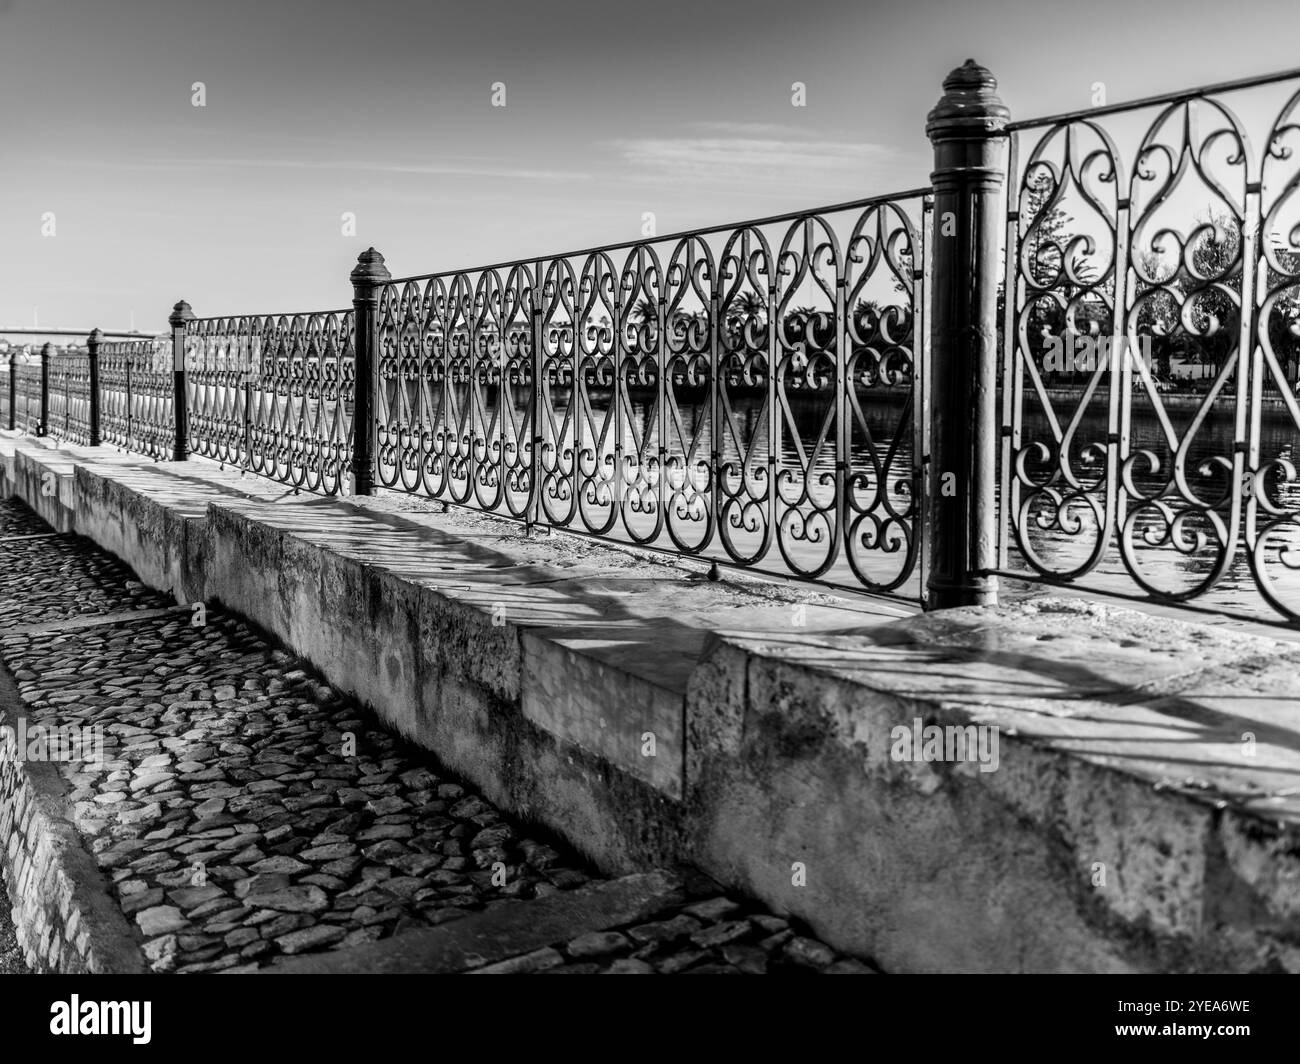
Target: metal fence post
535, 400
43, 426
968, 131
92, 355
13, 388
181, 313
367, 276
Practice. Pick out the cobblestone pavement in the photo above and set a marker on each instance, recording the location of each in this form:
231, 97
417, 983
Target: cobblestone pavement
18, 520
245, 810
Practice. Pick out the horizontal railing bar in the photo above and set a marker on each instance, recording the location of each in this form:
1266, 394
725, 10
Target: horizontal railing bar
1152, 101
284, 314
870, 201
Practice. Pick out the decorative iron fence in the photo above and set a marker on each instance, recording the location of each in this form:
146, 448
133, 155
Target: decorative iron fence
743, 393
69, 397
27, 398
136, 408
274, 395
759, 394
1152, 338
6, 383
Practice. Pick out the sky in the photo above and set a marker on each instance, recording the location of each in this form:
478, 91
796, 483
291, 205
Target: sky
119, 196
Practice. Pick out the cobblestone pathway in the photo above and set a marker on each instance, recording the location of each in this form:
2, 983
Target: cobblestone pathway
236, 823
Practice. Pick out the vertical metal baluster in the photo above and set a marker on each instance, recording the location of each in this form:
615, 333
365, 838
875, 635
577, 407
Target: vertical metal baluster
130, 419
536, 399
717, 432
620, 392
841, 413
922, 289
1252, 368
664, 387
1119, 414
773, 422
1012, 391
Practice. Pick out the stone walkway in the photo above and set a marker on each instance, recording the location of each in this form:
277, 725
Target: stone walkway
244, 810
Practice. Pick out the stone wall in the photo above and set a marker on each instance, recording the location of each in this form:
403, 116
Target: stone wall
63, 917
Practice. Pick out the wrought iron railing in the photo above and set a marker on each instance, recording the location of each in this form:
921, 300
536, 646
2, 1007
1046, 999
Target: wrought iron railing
27, 399
136, 409
758, 394
273, 394
69, 397
1152, 338
745, 394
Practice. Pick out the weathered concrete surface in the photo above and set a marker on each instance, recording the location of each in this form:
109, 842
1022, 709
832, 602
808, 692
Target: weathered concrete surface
1125, 828
959, 869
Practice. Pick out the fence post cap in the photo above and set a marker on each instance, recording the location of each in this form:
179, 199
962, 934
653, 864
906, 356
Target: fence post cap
370, 269
181, 313
970, 103
96, 335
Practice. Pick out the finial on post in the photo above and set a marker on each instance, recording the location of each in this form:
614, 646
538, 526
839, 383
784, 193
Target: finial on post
970, 104
181, 313
370, 269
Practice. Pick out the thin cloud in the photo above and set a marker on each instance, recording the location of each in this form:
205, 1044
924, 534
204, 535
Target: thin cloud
751, 129
777, 159
441, 169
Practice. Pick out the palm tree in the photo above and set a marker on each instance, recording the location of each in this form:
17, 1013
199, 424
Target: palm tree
645, 312
751, 305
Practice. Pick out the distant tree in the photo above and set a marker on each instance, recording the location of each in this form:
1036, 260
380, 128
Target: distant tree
645, 311
1284, 320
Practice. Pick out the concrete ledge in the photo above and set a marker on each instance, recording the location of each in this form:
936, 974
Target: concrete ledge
44, 480
652, 717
